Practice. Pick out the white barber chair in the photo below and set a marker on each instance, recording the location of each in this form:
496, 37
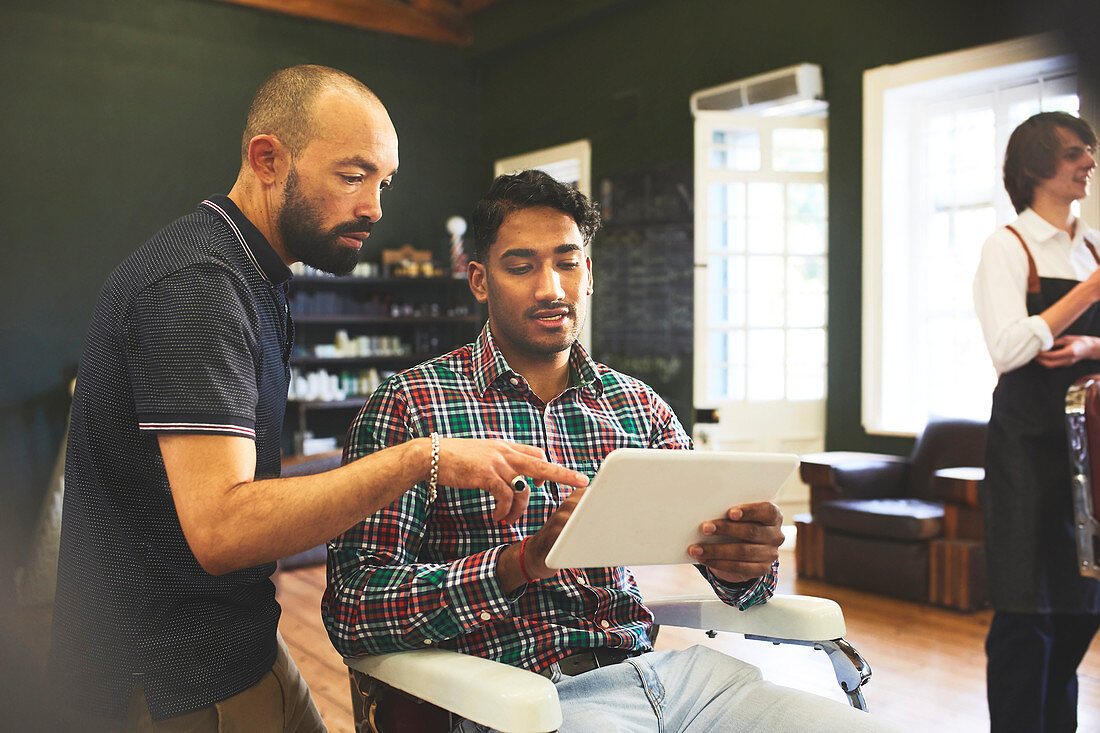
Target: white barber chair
514, 700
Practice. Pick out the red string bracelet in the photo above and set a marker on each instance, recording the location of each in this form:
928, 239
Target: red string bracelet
522, 564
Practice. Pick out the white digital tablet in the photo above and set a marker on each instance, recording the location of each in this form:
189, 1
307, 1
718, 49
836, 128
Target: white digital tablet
644, 507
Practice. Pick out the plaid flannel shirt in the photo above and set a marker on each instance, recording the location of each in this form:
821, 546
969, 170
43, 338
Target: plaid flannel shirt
414, 575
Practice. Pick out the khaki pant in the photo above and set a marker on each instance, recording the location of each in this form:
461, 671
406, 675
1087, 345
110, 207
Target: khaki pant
279, 702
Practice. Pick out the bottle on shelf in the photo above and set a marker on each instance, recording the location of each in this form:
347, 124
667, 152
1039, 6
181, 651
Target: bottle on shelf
352, 332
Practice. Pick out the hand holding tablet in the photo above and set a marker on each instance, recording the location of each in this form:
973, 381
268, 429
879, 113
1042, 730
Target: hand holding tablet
746, 542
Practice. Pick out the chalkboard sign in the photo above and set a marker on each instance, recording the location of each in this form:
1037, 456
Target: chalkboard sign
643, 268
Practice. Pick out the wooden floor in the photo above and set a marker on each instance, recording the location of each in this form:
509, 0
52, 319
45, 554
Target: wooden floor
928, 663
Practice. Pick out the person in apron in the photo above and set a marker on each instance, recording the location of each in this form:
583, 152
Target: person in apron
1036, 293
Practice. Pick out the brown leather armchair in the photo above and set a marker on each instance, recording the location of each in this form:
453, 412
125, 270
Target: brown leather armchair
877, 522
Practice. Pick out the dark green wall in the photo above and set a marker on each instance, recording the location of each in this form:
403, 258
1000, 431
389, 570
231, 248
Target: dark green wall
120, 115
579, 79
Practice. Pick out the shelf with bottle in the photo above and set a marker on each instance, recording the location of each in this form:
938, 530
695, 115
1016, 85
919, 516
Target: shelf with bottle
352, 332
370, 348
379, 305
320, 386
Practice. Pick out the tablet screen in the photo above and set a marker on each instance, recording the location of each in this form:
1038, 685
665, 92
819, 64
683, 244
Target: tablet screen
644, 507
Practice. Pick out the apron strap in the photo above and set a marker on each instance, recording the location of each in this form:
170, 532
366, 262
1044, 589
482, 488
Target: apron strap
1032, 273
1092, 249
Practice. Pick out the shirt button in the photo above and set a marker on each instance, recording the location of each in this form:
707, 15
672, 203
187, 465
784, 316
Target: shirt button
514, 381
605, 624
484, 615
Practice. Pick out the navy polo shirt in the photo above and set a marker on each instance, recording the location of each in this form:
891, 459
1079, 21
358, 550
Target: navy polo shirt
192, 334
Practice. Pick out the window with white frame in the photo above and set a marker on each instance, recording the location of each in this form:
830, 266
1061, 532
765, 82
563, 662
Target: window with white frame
935, 132
762, 309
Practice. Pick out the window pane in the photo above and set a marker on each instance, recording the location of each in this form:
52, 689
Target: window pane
736, 389
805, 310
806, 364
735, 213
716, 201
798, 149
727, 380
806, 347
976, 156
718, 313
766, 362
735, 307
765, 213
1062, 103
765, 347
718, 274
766, 291
726, 217
806, 218
718, 382
736, 341
806, 274
807, 304
765, 309
735, 149
719, 348
805, 383
764, 383
973, 226
726, 274
765, 273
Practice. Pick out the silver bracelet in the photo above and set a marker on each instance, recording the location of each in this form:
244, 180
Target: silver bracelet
434, 477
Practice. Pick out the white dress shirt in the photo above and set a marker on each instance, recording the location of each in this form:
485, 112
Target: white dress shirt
1000, 285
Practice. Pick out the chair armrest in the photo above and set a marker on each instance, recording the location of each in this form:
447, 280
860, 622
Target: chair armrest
820, 469
498, 695
798, 618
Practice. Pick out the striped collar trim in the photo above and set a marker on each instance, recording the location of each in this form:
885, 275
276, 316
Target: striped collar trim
255, 245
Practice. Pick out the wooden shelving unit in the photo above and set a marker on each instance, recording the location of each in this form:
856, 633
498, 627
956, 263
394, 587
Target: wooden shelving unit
428, 316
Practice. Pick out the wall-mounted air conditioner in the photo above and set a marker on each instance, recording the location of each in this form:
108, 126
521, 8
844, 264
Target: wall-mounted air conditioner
776, 89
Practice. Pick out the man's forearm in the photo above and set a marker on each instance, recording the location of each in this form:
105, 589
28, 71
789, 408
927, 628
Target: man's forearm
250, 522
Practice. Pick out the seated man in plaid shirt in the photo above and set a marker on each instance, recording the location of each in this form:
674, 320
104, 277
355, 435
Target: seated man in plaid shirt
435, 568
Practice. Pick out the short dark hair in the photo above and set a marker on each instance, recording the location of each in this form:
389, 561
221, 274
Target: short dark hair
283, 105
1032, 152
527, 190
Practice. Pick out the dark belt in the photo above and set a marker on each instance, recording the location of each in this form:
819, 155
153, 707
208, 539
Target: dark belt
587, 661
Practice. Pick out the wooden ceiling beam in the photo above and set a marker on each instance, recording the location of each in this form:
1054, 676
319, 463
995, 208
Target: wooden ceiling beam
469, 7
425, 19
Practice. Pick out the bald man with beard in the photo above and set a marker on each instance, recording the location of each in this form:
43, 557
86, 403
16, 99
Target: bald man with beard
174, 515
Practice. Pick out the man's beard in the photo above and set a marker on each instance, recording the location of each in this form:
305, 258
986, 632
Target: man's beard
300, 228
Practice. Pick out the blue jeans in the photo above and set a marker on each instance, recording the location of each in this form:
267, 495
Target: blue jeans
697, 689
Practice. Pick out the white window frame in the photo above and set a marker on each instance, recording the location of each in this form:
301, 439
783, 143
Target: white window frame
706, 123
1043, 53
577, 153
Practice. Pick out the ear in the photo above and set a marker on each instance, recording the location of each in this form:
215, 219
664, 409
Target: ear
588, 266
475, 273
267, 158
